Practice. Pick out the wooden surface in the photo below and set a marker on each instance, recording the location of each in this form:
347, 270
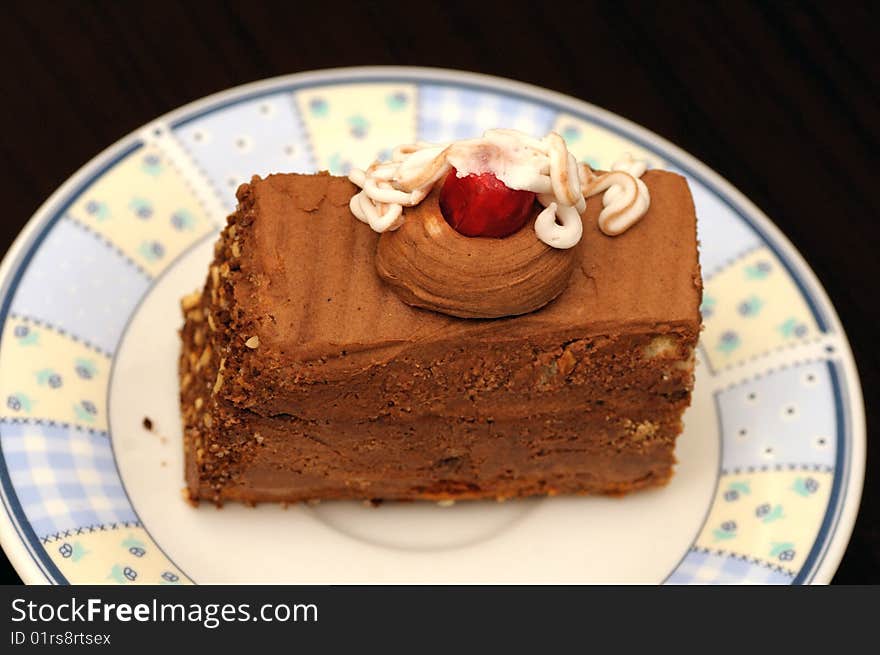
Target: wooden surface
782, 100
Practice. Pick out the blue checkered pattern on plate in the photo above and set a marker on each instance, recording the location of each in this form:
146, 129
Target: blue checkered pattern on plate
447, 113
700, 567
64, 478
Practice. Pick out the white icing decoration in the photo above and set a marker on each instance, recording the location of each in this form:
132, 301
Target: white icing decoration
543, 166
623, 205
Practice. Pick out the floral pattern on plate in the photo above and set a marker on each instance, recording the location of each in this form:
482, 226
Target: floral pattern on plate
143, 207
121, 553
752, 307
599, 147
60, 379
772, 516
352, 125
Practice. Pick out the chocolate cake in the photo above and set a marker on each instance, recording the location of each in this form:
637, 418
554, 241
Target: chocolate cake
304, 375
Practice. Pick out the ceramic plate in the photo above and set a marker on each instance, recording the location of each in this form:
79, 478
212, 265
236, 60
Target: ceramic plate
771, 460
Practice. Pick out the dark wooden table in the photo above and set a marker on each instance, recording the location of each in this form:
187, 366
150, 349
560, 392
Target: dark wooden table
781, 99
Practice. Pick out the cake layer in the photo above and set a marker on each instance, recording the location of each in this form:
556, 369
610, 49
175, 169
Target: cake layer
236, 454
305, 327
265, 481
501, 381
239, 455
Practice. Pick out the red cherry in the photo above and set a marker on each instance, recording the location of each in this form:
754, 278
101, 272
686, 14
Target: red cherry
483, 206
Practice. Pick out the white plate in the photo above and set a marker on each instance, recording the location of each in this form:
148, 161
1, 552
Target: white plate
771, 460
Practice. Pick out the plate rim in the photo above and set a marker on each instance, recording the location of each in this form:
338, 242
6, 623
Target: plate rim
11, 541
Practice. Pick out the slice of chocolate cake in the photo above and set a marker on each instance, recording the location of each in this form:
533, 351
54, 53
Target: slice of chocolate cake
305, 376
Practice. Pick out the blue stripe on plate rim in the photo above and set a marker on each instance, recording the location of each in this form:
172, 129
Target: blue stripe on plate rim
839, 518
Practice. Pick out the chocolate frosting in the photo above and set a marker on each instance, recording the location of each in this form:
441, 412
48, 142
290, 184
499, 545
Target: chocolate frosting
310, 291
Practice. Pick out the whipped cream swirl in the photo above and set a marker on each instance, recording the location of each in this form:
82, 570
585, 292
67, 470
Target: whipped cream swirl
543, 166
